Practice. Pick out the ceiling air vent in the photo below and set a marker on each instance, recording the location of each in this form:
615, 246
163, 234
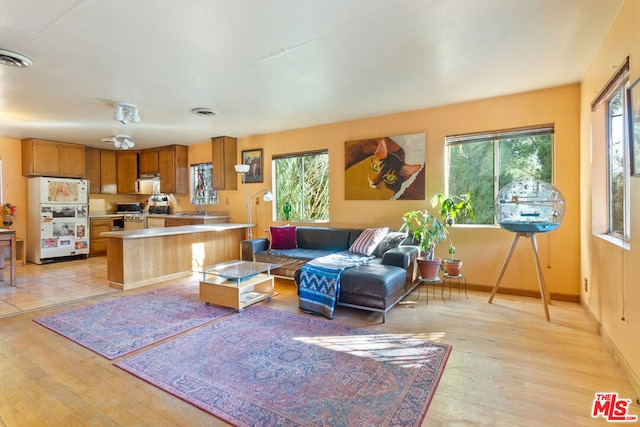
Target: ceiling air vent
13, 59
204, 112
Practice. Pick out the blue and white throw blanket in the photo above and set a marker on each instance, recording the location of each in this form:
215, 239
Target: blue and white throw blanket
320, 281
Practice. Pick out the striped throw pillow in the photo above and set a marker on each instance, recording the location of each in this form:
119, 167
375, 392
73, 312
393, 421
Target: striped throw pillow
368, 240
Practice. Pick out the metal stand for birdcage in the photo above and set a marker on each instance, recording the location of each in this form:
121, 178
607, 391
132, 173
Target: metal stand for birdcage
544, 293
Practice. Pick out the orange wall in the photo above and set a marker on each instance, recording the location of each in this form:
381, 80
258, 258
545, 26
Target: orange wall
482, 248
14, 185
613, 292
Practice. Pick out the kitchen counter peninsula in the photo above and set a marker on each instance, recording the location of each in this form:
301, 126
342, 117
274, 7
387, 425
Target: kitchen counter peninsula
210, 218
138, 258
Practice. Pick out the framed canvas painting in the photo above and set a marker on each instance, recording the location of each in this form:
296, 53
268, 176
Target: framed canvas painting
385, 168
253, 158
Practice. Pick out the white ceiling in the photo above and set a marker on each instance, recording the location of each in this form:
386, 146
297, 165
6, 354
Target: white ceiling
266, 66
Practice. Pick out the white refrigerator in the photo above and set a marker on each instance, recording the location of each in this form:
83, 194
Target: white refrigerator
58, 227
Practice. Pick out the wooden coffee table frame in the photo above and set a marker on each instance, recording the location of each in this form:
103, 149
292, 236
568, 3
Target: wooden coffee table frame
235, 293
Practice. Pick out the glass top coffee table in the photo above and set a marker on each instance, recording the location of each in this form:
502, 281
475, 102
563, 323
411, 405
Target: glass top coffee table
236, 284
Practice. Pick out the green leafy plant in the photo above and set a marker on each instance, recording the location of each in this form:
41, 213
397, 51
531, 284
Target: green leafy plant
427, 230
452, 250
453, 206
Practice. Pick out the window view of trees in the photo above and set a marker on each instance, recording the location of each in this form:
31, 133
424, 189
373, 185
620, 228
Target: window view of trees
484, 163
616, 164
302, 186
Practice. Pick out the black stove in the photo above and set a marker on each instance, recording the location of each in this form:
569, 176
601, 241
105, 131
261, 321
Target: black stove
160, 210
129, 208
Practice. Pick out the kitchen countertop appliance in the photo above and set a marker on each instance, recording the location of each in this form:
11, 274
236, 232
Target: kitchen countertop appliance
159, 205
133, 217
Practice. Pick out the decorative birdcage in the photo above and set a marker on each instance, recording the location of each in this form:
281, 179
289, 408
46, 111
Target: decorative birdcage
530, 206
527, 207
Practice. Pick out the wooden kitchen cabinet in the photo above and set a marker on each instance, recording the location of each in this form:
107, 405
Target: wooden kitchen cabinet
101, 171
148, 162
170, 163
224, 158
153, 222
173, 167
108, 172
127, 166
92, 159
97, 243
176, 222
51, 158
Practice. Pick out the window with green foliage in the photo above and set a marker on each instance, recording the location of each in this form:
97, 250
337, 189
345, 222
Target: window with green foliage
617, 171
610, 122
301, 183
481, 164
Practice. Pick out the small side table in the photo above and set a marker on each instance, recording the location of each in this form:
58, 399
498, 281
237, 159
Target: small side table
434, 282
458, 279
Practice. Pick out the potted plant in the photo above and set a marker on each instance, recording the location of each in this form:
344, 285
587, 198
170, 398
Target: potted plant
452, 266
427, 230
450, 208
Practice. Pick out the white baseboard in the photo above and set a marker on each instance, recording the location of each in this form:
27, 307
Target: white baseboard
617, 355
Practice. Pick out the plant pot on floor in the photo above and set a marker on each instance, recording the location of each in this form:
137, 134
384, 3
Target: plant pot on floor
452, 266
429, 268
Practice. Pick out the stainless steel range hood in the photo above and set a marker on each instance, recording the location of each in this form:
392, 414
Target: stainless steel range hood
148, 184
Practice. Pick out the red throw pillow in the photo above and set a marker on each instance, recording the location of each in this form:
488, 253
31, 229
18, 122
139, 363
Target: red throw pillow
283, 237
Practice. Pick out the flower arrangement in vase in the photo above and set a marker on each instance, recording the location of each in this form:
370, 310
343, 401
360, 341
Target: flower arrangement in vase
8, 210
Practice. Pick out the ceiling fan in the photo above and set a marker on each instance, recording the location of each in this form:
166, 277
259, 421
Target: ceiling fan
120, 141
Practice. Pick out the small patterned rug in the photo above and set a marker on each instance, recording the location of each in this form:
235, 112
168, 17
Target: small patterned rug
123, 325
266, 367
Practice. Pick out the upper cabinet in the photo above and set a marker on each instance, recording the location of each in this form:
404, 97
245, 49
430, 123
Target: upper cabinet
108, 172
148, 162
101, 171
51, 158
171, 163
173, 167
224, 157
127, 166
116, 171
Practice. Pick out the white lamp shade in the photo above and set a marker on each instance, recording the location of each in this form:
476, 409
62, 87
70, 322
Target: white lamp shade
268, 197
117, 116
242, 168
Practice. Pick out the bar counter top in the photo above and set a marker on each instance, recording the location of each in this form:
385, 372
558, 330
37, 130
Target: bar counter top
142, 257
172, 231
209, 217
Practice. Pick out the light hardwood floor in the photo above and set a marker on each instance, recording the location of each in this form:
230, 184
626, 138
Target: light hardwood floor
508, 367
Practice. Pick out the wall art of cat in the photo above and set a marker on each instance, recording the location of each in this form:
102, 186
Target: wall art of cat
385, 168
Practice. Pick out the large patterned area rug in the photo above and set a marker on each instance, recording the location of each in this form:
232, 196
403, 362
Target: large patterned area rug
121, 326
270, 368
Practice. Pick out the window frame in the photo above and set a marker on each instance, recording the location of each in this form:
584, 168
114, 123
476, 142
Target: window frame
495, 137
623, 89
619, 82
276, 204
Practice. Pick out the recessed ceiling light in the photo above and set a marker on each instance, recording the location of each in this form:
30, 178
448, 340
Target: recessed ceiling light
203, 112
13, 59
